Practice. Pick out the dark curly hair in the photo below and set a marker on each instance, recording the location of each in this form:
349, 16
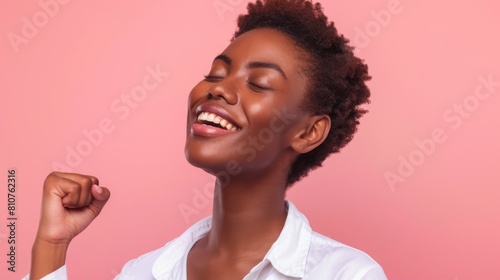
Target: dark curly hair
336, 76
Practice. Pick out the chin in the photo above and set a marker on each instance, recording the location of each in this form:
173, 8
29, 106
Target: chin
202, 162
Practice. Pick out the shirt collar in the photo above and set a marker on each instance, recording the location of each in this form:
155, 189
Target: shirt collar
171, 263
288, 254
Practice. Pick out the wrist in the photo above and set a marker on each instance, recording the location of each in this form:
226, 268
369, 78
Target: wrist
55, 246
51, 241
47, 257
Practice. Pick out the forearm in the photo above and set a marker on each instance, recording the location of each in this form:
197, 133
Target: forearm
46, 257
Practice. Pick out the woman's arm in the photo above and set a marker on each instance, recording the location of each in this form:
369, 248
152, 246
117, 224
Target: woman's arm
70, 202
46, 258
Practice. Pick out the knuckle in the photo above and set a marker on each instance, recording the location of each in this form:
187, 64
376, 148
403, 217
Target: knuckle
52, 175
94, 180
87, 181
74, 187
49, 180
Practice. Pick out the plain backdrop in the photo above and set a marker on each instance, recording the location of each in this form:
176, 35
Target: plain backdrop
417, 188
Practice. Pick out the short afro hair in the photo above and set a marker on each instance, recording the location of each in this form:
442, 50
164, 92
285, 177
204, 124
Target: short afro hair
336, 84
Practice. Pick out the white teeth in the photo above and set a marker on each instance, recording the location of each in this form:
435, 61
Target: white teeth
211, 117
203, 116
223, 123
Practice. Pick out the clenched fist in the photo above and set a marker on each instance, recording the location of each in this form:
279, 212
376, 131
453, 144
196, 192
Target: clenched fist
70, 202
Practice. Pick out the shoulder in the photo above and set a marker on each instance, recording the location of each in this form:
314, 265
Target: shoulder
167, 257
330, 257
327, 257
143, 265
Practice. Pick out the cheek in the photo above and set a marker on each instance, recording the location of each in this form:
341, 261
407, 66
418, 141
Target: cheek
268, 127
275, 129
197, 92
277, 115
255, 110
259, 109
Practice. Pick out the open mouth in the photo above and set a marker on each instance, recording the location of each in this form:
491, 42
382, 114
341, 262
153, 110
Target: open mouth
216, 121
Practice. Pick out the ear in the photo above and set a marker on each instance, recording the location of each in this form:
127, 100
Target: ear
312, 134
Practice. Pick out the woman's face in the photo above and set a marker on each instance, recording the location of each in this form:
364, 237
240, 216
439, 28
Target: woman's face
242, 115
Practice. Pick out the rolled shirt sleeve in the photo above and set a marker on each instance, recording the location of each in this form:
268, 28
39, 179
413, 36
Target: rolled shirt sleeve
59, 274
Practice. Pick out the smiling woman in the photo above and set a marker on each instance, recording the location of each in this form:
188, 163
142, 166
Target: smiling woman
276, 102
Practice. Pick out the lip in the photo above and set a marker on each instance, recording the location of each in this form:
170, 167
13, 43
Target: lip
210, 108
209, 131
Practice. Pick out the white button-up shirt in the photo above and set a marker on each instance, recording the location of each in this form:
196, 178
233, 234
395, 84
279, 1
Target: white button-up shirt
298, 253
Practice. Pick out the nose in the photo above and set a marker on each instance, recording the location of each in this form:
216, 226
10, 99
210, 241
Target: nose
225, 89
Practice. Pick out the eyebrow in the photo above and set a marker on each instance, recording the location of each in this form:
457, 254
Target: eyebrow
254, 64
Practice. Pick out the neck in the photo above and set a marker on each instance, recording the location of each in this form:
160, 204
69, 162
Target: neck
248, 215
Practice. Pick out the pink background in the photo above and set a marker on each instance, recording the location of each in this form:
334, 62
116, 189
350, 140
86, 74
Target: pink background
438, 220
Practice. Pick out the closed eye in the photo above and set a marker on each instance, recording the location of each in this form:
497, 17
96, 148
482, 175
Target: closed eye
258, 86
212, 79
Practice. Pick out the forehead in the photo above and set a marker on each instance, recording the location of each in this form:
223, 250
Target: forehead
268, 45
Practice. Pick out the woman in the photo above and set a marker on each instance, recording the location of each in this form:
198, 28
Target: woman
277, 101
